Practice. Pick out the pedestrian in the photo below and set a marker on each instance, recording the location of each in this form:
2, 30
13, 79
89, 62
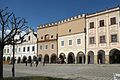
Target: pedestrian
31, 64
26, 62
36, 63
43, 63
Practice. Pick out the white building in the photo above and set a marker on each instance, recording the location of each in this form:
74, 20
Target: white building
72, 47
71, 40
26, 50
7, 53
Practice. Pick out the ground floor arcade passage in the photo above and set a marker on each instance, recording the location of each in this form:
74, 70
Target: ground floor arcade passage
29, 59
114, 58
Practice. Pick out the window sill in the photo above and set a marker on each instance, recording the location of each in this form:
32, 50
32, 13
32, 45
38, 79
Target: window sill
113, 24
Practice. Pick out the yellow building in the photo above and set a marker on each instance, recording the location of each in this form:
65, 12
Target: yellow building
47, 43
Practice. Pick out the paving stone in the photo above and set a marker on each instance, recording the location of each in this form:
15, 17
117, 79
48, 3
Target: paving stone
68, 71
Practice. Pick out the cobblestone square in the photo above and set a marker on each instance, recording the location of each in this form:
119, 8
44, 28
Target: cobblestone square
69, 71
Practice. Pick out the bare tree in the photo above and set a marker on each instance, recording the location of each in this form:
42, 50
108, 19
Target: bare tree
10, 27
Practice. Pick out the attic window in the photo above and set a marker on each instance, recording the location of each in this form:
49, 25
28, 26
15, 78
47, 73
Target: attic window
47, 37
69, 30
52, 36
29, 38
41, 37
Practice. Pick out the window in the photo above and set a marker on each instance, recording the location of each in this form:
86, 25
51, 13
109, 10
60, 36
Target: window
4, 50
7, 50
102, 39
46, 46
92, 40
91, 25
40, 46
29, 38
52, 36
78, 41
69, 30
28, 48
23, 49
47, 37
19, 49
41, 37
113, 20
114, 38
70, 42
101, 23
52, 46
62, 43
33, 48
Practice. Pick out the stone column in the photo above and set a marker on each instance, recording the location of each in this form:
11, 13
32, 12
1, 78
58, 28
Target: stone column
95, 59
86, 59
42, 59
106, 59
75, 60
49, 59
82, 59
66, 61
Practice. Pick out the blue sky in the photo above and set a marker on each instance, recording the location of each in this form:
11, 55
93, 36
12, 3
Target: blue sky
45, 11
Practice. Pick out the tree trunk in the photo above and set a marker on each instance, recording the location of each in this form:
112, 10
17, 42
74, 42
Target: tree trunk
1, 62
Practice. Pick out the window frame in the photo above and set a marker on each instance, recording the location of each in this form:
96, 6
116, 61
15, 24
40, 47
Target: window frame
102, 39
46, 46
91, 25
79, 41
41, 47
70, 42
91, 40
28, 48
52, 46
62, 43
102, 23
33, 48
23, 49
28, 37
112, 20
114, 40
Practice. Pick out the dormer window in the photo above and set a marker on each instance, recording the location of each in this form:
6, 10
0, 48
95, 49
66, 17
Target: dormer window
52, 36
47, 37
41, 37
69, 30
29, 38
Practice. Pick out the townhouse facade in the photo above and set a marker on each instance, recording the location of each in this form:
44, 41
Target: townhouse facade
91, 39
7, 53
24, 51
28, 49
71, 37
103, 37
47, 43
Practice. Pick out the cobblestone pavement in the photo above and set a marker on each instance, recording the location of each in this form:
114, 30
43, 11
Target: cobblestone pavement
69, 71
